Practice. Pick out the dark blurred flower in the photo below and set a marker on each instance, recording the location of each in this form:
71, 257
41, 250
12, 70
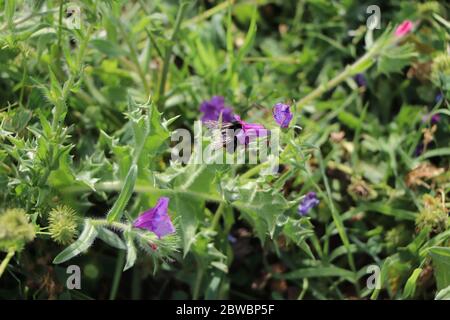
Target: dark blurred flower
404, 28
213, 108
249, 131
360, 80
231, 238
308, 202
438, 97
434, 119
156, 219
282, 114
419, 150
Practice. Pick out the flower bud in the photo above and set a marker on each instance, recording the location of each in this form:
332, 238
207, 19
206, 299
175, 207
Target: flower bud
433, 216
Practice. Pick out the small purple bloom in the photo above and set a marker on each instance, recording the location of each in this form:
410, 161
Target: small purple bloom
434, 119
231, 238
249, 131
156, 219
419, 150
214, 107
360, 80
438, 97
308, 202
282, 114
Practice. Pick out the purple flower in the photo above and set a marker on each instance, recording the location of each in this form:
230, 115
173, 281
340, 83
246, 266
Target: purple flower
214, 107
434, 119
231, 238
156, 219
404, 28
419, 150
249, 131
360, 80
308, 202
438, 97
282, 114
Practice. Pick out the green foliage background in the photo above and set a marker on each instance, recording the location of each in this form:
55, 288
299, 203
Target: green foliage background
86, 116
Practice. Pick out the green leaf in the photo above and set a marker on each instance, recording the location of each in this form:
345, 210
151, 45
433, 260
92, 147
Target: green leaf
249, 38
111, 238
444, 294
106, 47
410, 287
388, 210
189, 210
297, 231
439, 152
319, 272
125, 194
260, 208
10, 8
85, 240
131, 251
394, 59
441, 264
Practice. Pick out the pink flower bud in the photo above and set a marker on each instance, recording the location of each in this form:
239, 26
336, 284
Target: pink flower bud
404, 28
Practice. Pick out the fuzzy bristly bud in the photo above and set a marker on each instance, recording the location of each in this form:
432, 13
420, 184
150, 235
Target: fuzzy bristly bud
433, 215
15, 229
63, 224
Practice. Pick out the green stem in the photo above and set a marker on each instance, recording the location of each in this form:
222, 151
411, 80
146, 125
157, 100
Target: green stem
197, 284
347, 72
59, 107
217, 215
253, 171
117, 186
135, 59
60, 18
209, 13
26, 18
167, 55
5, 261
117, 274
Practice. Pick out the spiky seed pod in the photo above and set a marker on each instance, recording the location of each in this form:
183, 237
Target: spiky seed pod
63, 224
433, 215
15, 229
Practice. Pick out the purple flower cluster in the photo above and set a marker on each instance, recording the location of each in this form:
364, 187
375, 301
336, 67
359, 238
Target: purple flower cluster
156, 219
308, 202
215, 107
